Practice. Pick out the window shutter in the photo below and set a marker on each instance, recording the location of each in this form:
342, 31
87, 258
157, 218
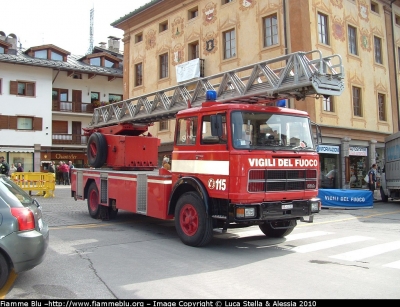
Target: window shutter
60, 126
13, 88
37, 123
30, 89
12, 122
3, 121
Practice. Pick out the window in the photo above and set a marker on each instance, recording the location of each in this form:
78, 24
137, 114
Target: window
94, 96
2, 50
352, 37
95, 62
327, 103
138, 74
114, 97
22, 88
164, 65
206, 135
323, 29
138, 37
193, 50
186, 131
374, 7
41, 54
229, 44
110, 64
270, 30
396, 19
382, 107
193, 13
60, 94
378, 50
163, 125
24, 123
357, 101
56, 56
163, 26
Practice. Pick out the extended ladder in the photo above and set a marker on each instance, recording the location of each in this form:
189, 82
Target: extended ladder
289, 76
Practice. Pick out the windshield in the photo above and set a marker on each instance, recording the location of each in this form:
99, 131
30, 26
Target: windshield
257, 130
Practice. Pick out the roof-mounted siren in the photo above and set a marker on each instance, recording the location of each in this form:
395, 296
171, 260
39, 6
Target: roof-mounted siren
211, 98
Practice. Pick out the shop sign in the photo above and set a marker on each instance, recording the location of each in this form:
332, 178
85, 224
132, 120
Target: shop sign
358, 151
328, 149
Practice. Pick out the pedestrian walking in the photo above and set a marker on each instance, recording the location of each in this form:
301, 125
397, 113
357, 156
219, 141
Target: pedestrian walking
4, 167
372, 178
19, 167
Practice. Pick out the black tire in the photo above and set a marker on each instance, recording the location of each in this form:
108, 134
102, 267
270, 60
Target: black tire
97, 150
193, 225
112, 210
93, 200
273, 230
4, 271
384, 197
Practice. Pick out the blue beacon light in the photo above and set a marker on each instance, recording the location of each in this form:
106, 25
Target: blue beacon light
211, 95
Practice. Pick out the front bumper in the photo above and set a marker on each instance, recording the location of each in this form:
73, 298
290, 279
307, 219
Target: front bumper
278, 210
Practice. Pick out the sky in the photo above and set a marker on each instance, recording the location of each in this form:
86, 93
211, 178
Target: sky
65, 24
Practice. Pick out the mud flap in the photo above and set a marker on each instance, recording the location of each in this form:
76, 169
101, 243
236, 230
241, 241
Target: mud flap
310, 219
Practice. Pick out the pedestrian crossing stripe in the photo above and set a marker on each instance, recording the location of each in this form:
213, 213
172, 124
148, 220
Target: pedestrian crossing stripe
368, 252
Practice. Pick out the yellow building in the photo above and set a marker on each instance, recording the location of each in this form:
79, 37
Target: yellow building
227, 34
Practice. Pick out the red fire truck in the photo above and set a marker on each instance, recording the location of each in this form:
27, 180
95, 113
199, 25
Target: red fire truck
237, 159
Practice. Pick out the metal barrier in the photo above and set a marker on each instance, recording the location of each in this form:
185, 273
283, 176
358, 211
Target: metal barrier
36, 181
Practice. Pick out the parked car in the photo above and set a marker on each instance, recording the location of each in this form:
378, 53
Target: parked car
24, 236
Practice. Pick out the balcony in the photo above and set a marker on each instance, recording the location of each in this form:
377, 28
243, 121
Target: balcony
69, 139
76, 107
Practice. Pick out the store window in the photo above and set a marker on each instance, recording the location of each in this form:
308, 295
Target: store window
329, 166
358, 167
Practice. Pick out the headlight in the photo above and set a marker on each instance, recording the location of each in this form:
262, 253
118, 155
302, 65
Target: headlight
246, 212
315, 205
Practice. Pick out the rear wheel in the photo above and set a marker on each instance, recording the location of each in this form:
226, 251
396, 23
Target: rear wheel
93, 201
4, 271
97, 150
384, 197
278, 229
193, 224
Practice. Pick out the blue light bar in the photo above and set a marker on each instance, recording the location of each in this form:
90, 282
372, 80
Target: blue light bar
211, 95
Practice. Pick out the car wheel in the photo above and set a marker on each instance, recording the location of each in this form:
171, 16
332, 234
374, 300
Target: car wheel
97, 150
278, 229
193, 224
4, 271
93, 201
384, 197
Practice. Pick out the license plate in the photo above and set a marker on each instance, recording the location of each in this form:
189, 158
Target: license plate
40, 223
287, 206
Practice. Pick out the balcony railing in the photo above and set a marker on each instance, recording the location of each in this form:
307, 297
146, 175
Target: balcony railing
77, 107
69, 139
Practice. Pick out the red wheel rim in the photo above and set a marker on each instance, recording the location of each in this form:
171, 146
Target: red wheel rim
189, 220
93, 149
93, 200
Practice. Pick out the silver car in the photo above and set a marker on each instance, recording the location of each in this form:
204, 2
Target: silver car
24, 236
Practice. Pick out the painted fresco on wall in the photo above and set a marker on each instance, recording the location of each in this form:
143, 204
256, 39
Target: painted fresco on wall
209, 13
247, 4
210, 43
363, 10
365, 40
150, 39
178, 54
338, 29
337, 3
177, 27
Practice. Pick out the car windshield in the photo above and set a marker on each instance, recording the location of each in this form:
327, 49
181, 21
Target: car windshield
260, 130
12, 194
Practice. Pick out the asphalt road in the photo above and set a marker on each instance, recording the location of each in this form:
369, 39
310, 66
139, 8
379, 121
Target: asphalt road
344, 254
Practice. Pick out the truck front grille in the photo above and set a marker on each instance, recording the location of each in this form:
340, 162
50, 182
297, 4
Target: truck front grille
282, 180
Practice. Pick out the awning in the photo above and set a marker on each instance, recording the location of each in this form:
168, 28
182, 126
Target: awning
16, 149
43, 162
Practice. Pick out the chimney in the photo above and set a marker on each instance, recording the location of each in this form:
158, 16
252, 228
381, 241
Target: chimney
113, 44
11, 39
102, 45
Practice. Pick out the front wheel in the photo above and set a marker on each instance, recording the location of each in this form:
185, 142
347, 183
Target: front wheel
384, 197
193, 224
278, 229
93, 201
4, 271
